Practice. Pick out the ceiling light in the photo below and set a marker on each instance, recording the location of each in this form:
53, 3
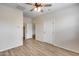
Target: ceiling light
38, 6
39, 9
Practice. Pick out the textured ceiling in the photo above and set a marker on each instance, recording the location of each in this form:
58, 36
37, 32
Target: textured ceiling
26, 8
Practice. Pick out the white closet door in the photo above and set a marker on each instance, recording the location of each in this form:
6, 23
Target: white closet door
39, 31
48, 31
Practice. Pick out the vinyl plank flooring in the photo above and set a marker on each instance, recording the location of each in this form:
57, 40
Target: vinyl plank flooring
33, 47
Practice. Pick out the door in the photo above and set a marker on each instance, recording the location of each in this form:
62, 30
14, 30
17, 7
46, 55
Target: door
48, 33
39, 31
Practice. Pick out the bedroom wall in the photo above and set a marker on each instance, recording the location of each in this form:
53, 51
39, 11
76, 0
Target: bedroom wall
11, 28
65, 27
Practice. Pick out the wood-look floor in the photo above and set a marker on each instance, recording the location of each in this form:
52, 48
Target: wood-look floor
33, 47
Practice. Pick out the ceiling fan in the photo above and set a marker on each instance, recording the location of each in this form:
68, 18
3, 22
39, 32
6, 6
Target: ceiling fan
38, 6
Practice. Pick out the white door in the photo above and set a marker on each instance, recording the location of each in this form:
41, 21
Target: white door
39, 31
48, 33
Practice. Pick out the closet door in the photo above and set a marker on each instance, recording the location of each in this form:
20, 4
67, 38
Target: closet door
48, 34
39, 31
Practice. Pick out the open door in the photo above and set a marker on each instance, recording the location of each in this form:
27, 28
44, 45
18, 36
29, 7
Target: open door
33, 28
23, 32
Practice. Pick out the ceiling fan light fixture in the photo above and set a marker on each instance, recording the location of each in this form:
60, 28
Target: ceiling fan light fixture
35, 9
39, 9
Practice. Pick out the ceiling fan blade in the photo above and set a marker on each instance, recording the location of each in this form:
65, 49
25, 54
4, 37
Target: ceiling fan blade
29, 3
31, 9
47, 5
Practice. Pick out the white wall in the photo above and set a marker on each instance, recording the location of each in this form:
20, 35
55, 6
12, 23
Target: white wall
65, 26
28, 27
11, 28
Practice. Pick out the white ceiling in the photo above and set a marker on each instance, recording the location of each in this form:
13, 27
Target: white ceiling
26, 8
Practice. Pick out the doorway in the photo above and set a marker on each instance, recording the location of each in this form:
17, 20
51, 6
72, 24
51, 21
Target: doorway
23, 32
33, 28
